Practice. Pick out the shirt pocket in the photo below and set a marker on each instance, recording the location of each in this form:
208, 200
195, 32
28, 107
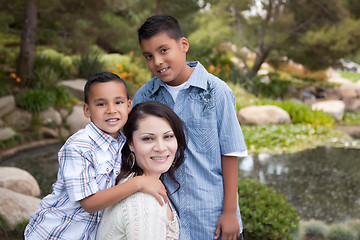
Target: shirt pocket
202, 134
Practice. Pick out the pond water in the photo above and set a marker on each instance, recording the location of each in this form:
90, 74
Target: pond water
322, 183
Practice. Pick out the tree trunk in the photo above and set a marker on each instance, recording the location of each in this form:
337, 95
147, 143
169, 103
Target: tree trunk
259, 60
26, 58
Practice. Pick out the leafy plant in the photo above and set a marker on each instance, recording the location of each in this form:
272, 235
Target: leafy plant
340, 232
314, 229
89, 63
351, 118
36, 100
266, 214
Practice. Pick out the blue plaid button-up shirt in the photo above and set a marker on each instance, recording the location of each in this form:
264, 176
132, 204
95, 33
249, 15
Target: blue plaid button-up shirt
89, 162
207, 107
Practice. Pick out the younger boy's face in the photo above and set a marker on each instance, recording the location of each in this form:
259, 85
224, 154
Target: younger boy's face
166, 58
108, 106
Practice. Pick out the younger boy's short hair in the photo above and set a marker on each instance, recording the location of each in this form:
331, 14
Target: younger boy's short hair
160, 23
102, 77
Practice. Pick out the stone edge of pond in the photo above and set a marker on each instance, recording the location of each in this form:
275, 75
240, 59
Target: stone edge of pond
11, 151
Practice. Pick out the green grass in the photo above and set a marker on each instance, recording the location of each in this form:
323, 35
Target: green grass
351, 119
350, 75
293, 137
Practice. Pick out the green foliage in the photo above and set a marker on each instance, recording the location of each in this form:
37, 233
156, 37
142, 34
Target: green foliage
266, 214
63, 96
36, 100
314, 228
55, 63
89, 63
302, 113
19, 229
288, 137
351, 118
46, 77
4, 225
340, 232
353, 76
272, 86
354, 225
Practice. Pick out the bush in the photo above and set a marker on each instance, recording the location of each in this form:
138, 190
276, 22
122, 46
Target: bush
314, 228
265, 213
302, 113
90, 63
340, 232
36, 100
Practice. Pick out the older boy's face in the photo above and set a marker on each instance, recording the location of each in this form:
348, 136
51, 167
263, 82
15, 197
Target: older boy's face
166, 58
108, 106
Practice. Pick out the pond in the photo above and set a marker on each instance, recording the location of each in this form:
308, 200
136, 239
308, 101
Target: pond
322, 183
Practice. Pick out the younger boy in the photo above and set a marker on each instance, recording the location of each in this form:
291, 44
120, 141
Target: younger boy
207, 200
89, 163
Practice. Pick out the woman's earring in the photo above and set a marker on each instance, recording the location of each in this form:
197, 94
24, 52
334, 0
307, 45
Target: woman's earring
131, 159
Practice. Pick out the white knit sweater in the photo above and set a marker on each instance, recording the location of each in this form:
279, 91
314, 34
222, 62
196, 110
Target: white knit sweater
139, 216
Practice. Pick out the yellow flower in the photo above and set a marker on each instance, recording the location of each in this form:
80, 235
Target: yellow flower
18, 79
120, 66
13, 75
124, 74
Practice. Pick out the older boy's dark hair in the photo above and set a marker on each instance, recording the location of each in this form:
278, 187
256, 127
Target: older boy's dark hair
102, 77
160, 23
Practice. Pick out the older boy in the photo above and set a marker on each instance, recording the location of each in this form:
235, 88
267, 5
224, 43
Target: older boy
89, 163
207, 200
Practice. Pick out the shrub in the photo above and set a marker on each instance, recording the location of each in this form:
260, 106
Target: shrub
302, 113
36, 100
340, 232
89, 63
4, 225
354, 225
265, 213
57, 62
46, 77
314, 228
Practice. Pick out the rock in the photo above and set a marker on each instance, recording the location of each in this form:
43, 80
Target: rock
18, 119
352, 104
18, 180
353, 131
16, 207
335, 108
76, 87
7, 104
6, 134
76, 120
50, 117
48, 132
263, 115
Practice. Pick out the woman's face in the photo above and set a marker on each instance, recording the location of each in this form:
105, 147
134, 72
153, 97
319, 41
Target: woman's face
154, 144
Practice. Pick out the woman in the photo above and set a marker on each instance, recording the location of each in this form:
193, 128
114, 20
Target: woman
155, 145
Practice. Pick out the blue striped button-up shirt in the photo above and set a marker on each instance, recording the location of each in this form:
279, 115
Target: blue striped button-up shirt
89, 162
207, 107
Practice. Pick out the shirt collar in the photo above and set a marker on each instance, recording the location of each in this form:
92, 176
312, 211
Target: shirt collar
102, 139
196, 79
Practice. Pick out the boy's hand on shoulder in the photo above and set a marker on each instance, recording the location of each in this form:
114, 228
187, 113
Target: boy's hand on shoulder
154, 187
228, 226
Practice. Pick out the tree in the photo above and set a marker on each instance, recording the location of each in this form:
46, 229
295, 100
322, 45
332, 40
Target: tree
27, 47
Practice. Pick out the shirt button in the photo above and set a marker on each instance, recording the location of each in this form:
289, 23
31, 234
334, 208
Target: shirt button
117, 172
107, 169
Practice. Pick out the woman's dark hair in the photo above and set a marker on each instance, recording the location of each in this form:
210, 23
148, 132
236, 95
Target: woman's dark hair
141, 111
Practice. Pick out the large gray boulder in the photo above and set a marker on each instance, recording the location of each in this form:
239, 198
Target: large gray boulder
18, 119
263, 115
7, 104
335, 108
17, 207
19, 180
76, 87
77, 120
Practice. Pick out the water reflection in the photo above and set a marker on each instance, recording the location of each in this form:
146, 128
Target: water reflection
321, 183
